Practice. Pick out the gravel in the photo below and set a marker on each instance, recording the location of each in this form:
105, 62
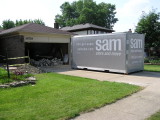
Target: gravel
46, 62
29, 69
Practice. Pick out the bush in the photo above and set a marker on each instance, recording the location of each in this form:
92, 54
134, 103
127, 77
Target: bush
152, 60
146, 60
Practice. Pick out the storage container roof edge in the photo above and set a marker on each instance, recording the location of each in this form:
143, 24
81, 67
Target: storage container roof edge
76, 36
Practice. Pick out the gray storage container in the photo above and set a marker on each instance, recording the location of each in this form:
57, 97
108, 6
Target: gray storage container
115, 52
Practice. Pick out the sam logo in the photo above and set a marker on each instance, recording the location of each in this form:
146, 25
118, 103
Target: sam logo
136, 43
108, 45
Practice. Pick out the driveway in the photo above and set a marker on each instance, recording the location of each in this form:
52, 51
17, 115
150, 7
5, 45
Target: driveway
135, 107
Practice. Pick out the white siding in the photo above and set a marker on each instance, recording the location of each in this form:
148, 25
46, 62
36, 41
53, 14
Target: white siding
89, 32
46, 39
81, 32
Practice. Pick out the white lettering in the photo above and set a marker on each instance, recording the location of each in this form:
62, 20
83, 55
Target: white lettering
136, 43
98, 45
116, 44
105, 45
108, 45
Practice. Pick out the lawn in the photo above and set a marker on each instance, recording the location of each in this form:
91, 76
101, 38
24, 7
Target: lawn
152, 68
3, 76
58, 96
155, 116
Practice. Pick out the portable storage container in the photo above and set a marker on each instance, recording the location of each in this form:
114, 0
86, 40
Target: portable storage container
115, 52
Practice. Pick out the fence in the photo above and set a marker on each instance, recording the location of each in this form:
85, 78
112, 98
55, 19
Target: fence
5, 59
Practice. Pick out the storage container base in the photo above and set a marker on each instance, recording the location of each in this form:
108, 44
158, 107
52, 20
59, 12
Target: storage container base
106, 70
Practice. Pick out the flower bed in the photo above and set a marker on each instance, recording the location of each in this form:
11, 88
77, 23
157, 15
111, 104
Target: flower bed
21, 76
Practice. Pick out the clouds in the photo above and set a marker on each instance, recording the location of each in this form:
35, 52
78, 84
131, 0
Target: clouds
28, 9
130, 13
134, 7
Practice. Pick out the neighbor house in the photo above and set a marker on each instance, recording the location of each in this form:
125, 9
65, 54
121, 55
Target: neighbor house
35, 40
86, 29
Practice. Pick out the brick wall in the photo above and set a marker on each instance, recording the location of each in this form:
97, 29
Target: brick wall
15, 46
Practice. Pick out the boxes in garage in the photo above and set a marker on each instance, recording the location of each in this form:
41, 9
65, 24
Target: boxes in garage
115, 52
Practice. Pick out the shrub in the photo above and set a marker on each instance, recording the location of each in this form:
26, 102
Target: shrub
17, 72
146, 60
154, 61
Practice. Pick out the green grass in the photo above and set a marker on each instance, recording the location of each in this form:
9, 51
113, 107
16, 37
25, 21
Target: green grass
4, 76
58, 96
152, 68
155, 116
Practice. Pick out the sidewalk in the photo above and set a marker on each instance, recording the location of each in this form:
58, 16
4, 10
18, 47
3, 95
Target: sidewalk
135, 107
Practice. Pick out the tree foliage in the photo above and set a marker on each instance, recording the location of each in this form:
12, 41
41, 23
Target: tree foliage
149, 24
6, 24
87, 11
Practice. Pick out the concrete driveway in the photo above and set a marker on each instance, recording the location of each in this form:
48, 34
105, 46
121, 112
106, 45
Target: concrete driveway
135, 107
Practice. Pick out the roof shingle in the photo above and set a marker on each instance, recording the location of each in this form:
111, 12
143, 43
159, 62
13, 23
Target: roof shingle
34, 28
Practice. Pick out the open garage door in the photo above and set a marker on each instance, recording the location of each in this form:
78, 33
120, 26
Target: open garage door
48, 54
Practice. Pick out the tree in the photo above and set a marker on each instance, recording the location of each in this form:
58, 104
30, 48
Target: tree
150, 26
22, 22
87, 11
6, 24
10, 24
38, 21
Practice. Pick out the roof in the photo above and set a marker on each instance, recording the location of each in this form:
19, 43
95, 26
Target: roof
34, 28
85, 26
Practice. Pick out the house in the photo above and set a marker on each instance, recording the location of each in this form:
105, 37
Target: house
86, 29
37, 41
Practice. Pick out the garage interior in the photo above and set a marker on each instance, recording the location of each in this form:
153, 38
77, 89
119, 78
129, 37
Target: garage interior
48, 51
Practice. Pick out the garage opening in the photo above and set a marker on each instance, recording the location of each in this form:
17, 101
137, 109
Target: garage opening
47, 54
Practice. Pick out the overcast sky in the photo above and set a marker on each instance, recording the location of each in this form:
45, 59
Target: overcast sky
128, 11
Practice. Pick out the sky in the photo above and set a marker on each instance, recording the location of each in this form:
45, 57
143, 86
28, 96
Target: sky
128, 11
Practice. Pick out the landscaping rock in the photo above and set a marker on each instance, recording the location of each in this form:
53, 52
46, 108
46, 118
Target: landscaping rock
30, 80
4, 86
